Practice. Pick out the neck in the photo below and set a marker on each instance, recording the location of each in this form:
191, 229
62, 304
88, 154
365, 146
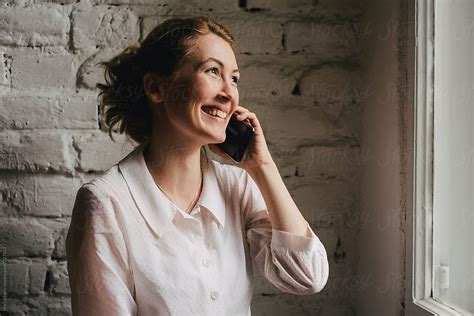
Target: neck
176, 169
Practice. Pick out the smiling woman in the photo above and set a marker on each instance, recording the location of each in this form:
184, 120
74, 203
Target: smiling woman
168, 231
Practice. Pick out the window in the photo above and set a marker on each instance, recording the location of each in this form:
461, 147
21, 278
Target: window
444, 151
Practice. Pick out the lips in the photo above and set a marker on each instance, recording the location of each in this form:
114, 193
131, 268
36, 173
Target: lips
219, 107
213, 116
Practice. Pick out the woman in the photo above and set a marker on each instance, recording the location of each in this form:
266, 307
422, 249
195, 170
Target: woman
167, 231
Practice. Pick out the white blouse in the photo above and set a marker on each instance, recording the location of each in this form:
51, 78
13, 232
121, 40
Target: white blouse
131, 251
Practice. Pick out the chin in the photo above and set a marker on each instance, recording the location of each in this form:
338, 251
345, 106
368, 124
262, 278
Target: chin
221, 139
218, 139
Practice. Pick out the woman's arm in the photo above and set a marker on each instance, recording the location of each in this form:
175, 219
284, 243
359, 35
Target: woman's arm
97, 258
258, 162
282, 210
293, 263
281, 242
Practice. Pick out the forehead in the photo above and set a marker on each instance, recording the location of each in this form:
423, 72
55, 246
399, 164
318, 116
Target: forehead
211, 45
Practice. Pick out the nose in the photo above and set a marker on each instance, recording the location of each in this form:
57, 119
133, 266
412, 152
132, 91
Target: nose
224, 96
228, 93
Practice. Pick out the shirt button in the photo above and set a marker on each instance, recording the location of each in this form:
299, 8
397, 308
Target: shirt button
214, 295
205, 262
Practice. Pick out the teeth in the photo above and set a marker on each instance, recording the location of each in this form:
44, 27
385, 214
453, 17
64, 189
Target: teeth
217, 113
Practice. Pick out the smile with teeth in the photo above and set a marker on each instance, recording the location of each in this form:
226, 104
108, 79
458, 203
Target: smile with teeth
215, 112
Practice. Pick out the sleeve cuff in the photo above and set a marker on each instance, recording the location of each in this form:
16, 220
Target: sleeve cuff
292, 241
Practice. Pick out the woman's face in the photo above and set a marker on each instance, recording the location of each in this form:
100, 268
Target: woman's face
207, 77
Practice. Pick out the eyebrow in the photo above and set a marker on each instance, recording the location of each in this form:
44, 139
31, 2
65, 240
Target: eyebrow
217, 61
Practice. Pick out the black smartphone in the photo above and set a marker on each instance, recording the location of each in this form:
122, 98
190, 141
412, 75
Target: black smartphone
238, 137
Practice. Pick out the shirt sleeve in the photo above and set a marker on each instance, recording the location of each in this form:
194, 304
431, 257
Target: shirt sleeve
97, 259
293, 263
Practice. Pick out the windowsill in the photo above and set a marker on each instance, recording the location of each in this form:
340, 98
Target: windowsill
436, 307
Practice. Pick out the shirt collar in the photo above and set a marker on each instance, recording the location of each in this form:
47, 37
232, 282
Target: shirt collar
154, 206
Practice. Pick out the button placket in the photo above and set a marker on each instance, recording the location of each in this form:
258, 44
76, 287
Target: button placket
209, 268
209, 274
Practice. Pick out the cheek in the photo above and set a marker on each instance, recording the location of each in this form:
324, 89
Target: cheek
206, 89
182, 93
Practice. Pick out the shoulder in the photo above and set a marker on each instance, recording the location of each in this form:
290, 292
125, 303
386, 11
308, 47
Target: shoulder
227, 172
231, 175
95, 203
108, 185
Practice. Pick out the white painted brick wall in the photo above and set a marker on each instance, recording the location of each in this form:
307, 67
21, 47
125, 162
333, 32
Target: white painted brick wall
104, 26
34, 25
43, 72
300, 73
23, 111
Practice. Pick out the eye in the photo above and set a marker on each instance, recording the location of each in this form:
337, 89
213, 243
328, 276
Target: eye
216, 71
214, 68
236, 79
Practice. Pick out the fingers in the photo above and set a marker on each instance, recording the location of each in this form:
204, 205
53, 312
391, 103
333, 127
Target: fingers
250, 117
242, 113
246, 115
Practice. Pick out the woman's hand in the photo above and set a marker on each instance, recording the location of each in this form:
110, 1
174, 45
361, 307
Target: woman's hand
257, 154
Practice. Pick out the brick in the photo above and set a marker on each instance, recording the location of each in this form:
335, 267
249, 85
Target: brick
59, 279
35, 25
60, 310
344, 282
338, 4
58, 1
291, 125
277, 4
37, 151
28, 112
261, 80
59, 228
329, 41
149, 23
89, 74
25, 238
17, 278
5, 68
326, 204
320, 162
285, 304
194, 8
18, 112
97, 152
77, 112
344, 310
15, 307
104, 26
261, 284
41, 194
328, 237
43, 72
5, 208
132, 2
60, 246
26, 194
255, 36
37, 274
330, 83
341, 248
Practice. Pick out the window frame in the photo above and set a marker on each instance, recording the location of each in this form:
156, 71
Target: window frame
422, 238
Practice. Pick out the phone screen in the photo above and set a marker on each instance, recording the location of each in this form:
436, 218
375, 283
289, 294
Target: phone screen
238, 137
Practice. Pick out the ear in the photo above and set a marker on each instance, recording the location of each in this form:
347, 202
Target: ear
153, 85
